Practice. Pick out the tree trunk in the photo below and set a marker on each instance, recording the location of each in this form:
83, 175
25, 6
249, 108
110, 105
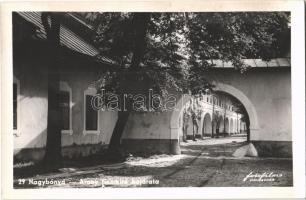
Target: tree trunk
114, 144
193, 130
185, 128
140, 24
53, 146
53, 156
203, 129
248, 130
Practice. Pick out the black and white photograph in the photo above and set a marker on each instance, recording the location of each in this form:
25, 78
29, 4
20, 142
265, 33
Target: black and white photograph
143, 99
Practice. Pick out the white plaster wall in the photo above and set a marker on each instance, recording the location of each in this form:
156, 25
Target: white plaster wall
33, 105
79, 81
267, 90
148, 126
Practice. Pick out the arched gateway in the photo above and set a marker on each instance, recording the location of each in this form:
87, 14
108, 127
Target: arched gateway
206, 131
268, 113
174, 122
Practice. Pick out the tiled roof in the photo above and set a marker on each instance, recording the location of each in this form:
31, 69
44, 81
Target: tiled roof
67, 37
276, 62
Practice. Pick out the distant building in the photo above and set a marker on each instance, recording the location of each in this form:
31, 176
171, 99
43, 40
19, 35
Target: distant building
208, 105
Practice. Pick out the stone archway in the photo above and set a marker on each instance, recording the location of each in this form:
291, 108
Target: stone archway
243, 99
206, 131
218, 87
183, 99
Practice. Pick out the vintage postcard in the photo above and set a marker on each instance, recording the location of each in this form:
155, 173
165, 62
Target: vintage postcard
142, 99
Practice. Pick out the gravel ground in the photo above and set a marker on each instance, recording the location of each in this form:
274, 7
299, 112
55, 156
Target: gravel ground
203, 163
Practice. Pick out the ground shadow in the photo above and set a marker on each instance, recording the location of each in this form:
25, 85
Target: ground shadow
200, 166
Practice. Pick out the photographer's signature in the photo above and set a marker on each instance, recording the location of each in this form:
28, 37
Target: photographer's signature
262, 177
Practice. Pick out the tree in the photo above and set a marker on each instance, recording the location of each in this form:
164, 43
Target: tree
225, 109
53, 156
186, 118
173, 50
196, 113
146, 47
193, 112
217, 118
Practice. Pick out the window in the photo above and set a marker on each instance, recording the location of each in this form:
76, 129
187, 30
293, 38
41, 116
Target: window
16, 106
91, 115
65, 103
207, 100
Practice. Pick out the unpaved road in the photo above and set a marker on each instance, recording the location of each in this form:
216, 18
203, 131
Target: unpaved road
202, 163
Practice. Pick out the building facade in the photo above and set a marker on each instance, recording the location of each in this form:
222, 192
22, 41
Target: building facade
215, 112
84, 131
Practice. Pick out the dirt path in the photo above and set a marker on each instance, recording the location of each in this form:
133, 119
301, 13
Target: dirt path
202, 163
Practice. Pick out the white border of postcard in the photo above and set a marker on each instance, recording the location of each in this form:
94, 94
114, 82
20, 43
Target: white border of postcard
296, 7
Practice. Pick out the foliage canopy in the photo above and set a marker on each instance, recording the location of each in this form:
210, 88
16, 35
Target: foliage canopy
177, 47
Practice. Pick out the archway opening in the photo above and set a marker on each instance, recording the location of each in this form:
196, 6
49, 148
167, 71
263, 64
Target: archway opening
237, 121
207, 125
215, 118
243, 127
